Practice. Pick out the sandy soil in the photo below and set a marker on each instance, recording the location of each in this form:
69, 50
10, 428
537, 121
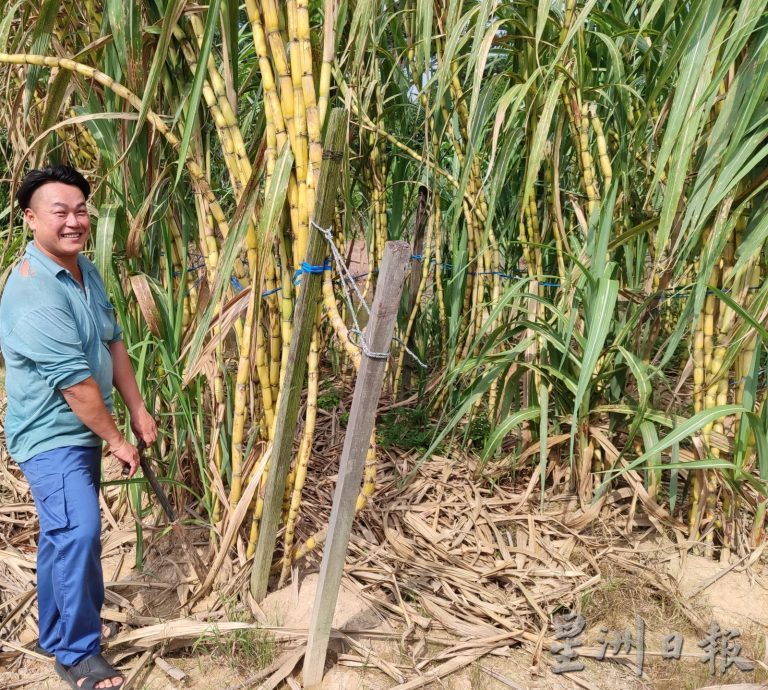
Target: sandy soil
734, 596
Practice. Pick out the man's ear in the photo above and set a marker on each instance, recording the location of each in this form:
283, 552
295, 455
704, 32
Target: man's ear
29, 216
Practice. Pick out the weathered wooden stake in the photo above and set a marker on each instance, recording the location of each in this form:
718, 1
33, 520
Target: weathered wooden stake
303, 323
362, 416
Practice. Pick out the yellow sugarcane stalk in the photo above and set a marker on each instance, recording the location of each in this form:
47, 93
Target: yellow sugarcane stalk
273, 109
369, 475
242, 385
368, 489
602, 148
301, 138
311, 110
438, 221
587, 163
280, 60
262, 371
570, 9
329, 53
305, 451
337, 323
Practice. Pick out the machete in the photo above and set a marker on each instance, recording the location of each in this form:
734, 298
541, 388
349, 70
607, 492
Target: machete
151, 477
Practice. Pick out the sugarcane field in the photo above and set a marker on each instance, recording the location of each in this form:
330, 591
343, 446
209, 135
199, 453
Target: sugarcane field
366, 345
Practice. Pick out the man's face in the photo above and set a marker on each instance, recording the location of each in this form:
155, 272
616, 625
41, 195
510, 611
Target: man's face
59, 220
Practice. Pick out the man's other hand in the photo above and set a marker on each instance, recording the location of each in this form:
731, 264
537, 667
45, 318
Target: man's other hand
144, 426
127, 454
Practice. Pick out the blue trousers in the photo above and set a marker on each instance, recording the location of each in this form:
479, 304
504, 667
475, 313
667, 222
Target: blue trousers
70, 583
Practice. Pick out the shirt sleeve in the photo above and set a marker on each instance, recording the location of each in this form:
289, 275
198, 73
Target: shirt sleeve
48, 337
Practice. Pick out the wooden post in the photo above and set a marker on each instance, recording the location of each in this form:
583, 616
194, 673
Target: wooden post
303, 323
362, 416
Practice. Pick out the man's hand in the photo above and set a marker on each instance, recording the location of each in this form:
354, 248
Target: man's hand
128, 454
144, 425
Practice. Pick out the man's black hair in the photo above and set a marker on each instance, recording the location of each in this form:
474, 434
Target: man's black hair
58, 173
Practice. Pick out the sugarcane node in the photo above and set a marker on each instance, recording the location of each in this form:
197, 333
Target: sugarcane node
332, 155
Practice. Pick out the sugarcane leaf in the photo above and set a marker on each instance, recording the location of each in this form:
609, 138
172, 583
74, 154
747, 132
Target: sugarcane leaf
741, 311
651, 440
57, 92
116, 13
201, 71
685, 115
600, 318
170, 18
41, 39
424, 13
754, 421
679, 433
505, 427
542, 14
640, 372
105, 232
673, 474
5, 26
478, 390
540, 138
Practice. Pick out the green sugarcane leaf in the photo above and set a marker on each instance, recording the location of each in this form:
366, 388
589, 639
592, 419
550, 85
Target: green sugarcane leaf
104, 241
748, 400
502, 430
5, 26
540, 138
41, 40
170, 19
201, 71
757, 423
57, 92
684, 431
651, 440
600, 318
542, 14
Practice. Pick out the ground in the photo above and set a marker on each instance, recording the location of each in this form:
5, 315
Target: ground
444, 577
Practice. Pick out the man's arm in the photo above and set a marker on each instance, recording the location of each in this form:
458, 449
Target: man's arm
85, 400
124, 379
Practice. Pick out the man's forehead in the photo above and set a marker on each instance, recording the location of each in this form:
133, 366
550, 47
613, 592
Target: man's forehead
81, 202
58, 194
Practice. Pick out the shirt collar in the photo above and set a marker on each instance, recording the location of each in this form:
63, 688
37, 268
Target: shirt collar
49, 264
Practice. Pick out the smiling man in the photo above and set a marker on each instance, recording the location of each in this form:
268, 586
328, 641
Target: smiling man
63, 353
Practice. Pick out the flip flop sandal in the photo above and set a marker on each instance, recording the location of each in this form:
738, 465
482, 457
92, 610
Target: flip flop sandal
91, 671
108, 631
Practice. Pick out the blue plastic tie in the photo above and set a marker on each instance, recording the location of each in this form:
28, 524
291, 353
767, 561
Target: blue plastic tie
235, 283
309, 268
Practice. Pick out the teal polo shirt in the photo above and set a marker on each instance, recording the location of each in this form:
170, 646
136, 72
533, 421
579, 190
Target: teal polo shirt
54, 333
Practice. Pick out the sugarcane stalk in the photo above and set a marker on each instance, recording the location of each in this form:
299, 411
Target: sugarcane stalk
425, 265
305, 452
